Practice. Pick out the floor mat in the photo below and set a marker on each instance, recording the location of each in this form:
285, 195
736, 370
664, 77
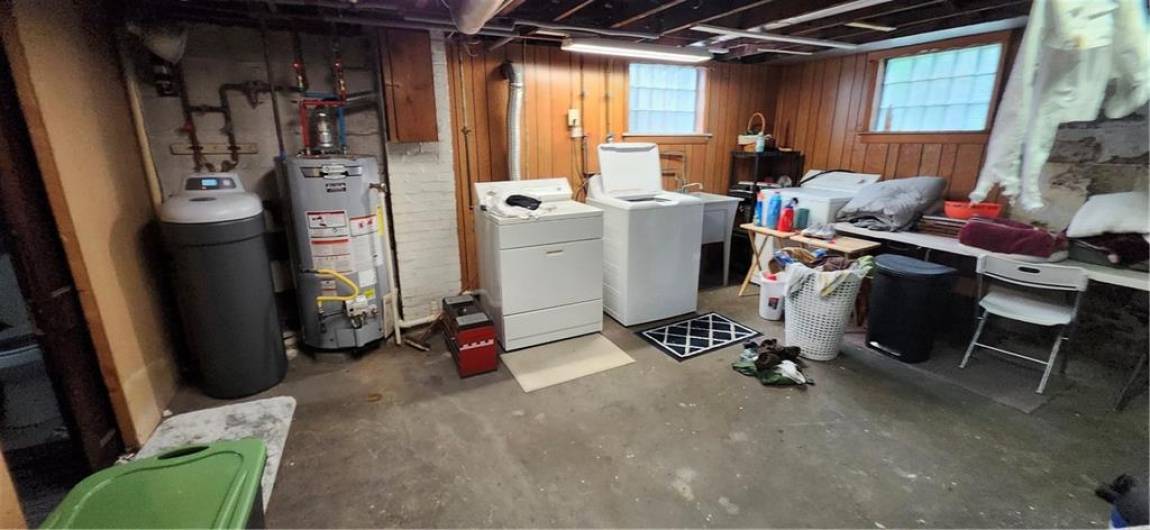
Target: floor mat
694, 336
266, 419
559, 362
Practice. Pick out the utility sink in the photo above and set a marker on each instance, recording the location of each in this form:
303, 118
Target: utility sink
718, 221
718, 215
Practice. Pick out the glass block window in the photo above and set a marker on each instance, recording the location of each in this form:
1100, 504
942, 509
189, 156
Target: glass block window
665, 99
942, 91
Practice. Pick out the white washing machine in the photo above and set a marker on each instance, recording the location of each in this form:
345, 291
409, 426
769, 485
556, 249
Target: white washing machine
651, 237
540, 277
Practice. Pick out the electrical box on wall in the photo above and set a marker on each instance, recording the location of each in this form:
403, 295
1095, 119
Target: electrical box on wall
573, 118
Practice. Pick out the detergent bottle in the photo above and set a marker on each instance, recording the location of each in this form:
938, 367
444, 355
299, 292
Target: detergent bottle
787, 218
774, 209
760, 205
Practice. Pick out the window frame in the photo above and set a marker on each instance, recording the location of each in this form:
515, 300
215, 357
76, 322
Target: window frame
876, 64
701, 73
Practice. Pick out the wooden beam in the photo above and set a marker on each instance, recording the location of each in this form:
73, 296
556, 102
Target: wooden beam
575, 9
510, 6
713, 15
640, 16
11, 516
925, 16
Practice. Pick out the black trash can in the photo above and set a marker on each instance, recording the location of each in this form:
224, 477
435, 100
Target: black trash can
907, 302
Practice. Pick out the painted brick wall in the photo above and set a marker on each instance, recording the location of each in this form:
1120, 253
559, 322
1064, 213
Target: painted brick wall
423, 202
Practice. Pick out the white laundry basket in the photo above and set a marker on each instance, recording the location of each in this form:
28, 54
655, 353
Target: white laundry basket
816, 323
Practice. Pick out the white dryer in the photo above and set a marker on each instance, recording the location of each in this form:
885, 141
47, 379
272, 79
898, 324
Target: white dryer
540, 276
651, 238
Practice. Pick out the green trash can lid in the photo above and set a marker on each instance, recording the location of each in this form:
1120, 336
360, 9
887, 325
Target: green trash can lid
197, 486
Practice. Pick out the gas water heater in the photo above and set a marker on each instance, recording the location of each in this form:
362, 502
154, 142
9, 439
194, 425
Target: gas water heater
340, 268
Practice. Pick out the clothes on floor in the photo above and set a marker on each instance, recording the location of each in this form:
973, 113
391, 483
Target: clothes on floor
1075, 55
771, 363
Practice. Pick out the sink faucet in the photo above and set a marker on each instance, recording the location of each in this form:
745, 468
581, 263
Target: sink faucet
684, 186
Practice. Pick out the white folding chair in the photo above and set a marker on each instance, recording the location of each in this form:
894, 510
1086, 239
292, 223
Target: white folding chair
1025, 305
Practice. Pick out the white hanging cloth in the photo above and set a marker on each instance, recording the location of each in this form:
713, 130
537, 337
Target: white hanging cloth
1076, 57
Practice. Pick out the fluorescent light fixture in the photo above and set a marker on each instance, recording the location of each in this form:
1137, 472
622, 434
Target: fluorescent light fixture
636, 50
868, 25
773, 37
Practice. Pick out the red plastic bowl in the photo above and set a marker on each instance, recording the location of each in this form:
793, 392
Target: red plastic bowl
966, 210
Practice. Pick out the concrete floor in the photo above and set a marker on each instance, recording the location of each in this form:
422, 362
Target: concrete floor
397, 439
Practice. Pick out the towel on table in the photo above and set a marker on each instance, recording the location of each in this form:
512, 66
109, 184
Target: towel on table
1010, 237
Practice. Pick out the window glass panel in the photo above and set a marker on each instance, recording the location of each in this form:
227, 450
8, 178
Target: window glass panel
663, 98
922, 67
918, 93
983, 88
974, 116
938, 91
898, 70
933, 118
953, 120
944, 64
960, 89
895, 94
967, 62
948, 90
988, 59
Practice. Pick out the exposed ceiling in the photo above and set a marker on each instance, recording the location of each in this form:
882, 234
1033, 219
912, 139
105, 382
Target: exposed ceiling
667, 22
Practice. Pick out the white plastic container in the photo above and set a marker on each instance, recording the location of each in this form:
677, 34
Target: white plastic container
772, 295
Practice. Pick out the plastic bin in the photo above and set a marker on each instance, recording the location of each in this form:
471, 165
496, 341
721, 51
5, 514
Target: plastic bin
907, 301
772, 295
197, 486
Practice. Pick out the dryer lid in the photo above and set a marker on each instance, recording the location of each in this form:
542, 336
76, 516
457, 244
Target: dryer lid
630, 169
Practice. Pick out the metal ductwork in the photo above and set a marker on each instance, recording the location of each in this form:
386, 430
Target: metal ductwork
514, 74
470, 15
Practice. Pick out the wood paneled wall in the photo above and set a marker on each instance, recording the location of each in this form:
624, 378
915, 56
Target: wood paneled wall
822, 110
557, 81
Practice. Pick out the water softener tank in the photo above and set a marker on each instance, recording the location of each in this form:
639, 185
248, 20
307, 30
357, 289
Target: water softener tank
339, 256
215, 235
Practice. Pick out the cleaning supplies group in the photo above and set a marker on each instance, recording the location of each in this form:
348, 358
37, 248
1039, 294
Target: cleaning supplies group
772, 214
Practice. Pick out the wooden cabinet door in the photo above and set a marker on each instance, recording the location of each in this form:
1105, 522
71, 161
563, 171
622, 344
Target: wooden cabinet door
409, 85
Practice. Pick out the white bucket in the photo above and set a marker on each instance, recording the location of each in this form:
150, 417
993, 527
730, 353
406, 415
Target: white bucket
772, 294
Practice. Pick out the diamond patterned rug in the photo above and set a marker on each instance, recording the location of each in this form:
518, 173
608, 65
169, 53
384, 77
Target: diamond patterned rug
697, 335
